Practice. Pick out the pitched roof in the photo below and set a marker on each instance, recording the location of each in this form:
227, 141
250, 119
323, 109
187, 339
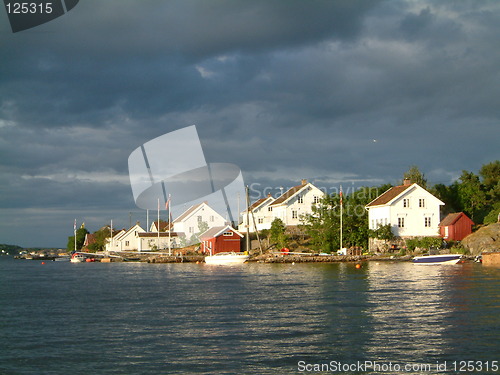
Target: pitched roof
189, 211
259, 202
288, 194
164, 225
215, 231
452, 218
388, 196
89, 239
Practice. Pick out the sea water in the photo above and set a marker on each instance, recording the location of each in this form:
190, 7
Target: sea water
136, 318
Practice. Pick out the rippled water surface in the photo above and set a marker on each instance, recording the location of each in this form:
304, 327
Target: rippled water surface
132, 318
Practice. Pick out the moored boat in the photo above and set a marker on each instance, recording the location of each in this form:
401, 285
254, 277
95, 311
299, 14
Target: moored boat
228, 258
437, 259
77, 258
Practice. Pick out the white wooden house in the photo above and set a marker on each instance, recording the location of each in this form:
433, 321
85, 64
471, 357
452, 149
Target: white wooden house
137, 239
125, 240
410, 210
289, 207
261, 212
188, 224
296, 202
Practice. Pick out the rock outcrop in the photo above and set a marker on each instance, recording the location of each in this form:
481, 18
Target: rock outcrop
484, 239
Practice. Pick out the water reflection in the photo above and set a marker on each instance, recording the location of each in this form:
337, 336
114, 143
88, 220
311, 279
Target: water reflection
423, 314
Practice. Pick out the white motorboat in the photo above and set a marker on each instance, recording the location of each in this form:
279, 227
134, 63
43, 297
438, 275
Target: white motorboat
437, 259
77, 258
229, 258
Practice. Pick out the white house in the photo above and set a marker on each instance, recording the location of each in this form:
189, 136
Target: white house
188, 223
148, 241
410, 210
259, 211
124, 240
296, 202
289, 207
137, 239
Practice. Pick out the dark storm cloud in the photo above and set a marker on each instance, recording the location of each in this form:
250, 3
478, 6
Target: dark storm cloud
334, 91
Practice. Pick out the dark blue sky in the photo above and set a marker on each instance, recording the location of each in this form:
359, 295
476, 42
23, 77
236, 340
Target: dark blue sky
339, 92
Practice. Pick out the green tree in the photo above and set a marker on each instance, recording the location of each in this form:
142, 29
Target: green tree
383, 232
80, 239
415, 176
277, 233
322, 226
100, 237
471, 196
449, 196
490, 174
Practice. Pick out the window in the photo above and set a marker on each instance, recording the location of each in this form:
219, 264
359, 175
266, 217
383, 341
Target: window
294, 214
228, 234
315, 199
401, 222
406, 203
427, 222
300, 199
212, 218
260, 220
421, 202
200, 219
191, 229
269, 208
127, 243
373, 224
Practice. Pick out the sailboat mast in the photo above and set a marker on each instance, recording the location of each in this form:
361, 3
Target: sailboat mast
158, 227
248, 218
74, 230
341, 214
169, 226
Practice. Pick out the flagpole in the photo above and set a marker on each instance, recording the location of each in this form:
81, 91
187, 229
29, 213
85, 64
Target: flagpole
341, 213
111, 232
169, 225
74, 230
147, 220
158, 227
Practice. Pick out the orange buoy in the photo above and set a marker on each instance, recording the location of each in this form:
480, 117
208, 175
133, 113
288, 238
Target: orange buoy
358, 265
43, 262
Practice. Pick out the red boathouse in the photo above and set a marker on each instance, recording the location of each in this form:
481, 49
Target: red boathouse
455, 227
220, 240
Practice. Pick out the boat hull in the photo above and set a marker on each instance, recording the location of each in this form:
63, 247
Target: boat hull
77, 259
437, 259
226, 259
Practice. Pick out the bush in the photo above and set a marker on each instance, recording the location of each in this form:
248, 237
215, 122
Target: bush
424, 243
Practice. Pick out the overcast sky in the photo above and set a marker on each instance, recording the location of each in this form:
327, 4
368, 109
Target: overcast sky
338, 92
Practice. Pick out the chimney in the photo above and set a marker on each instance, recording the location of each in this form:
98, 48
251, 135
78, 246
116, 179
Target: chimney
304, 182
406, 182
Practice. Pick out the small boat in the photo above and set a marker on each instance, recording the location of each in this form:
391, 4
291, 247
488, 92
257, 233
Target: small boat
77, 258
229, 258
437, 259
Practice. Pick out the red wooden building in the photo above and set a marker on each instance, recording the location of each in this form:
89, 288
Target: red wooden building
220, 240
455, 227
